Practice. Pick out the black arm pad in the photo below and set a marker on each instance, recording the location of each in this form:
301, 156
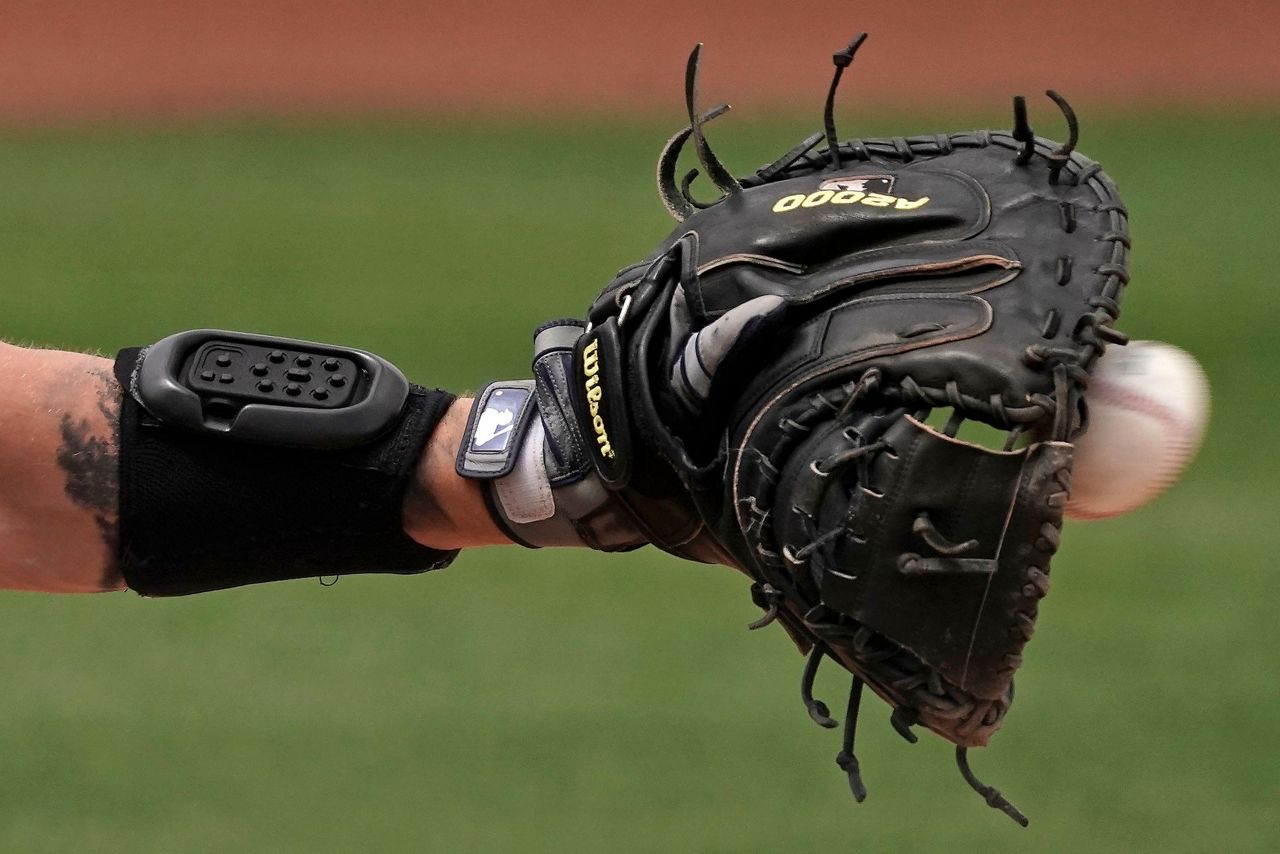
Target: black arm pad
202, 512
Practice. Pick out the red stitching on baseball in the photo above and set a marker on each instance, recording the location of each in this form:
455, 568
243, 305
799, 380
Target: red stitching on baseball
1174, 455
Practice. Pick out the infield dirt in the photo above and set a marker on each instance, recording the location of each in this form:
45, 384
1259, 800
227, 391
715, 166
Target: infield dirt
93, 59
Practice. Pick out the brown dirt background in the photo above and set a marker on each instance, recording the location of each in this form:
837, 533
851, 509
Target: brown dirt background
75, 60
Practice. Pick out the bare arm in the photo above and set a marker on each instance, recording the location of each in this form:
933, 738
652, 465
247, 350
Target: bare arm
59, 414
59, 458
441, 509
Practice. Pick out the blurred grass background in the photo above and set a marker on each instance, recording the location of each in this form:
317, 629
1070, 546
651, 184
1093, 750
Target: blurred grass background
556, 701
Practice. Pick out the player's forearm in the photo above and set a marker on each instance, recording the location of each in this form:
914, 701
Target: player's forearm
59, 418
59, 476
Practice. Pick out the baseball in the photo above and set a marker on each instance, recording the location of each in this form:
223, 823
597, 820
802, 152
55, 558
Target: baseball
1148, 408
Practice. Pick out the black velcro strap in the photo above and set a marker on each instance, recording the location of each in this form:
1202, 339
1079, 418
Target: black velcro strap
201, 512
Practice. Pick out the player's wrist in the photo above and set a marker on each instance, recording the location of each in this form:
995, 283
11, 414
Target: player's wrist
530, 446
560, 461
441, 509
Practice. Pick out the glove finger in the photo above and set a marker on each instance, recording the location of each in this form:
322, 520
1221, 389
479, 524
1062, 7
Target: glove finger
680, 318
708, 349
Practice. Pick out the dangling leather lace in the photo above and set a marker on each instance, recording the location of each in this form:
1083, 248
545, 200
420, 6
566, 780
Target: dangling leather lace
846, 759
816, 708
902, 720
991, 794
841, 60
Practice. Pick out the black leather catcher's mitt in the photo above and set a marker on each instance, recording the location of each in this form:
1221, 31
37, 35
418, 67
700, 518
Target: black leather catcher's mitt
760, 392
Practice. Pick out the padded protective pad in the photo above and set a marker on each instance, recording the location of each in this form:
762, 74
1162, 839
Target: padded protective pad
201, 512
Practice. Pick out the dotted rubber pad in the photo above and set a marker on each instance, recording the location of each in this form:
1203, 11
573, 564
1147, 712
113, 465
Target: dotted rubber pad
246, 373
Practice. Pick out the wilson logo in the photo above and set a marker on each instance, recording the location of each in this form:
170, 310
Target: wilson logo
818, 198
591, 370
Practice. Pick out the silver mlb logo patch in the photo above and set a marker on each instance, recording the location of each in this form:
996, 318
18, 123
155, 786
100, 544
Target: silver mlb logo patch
494, 424
860, 183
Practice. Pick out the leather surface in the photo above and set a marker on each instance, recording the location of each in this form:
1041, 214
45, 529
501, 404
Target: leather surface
921, 273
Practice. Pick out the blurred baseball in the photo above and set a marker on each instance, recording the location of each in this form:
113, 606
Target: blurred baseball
1148, 408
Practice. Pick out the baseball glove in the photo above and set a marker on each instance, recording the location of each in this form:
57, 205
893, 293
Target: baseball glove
786, 346
788, 385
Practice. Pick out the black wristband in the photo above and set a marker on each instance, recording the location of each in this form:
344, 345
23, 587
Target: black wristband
202, 512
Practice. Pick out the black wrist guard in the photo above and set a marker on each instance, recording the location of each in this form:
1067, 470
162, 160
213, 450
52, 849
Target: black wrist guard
245, 458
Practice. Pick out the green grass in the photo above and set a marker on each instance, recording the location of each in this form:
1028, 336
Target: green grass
571, 702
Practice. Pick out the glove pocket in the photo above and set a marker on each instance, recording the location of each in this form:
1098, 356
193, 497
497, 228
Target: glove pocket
948, 551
